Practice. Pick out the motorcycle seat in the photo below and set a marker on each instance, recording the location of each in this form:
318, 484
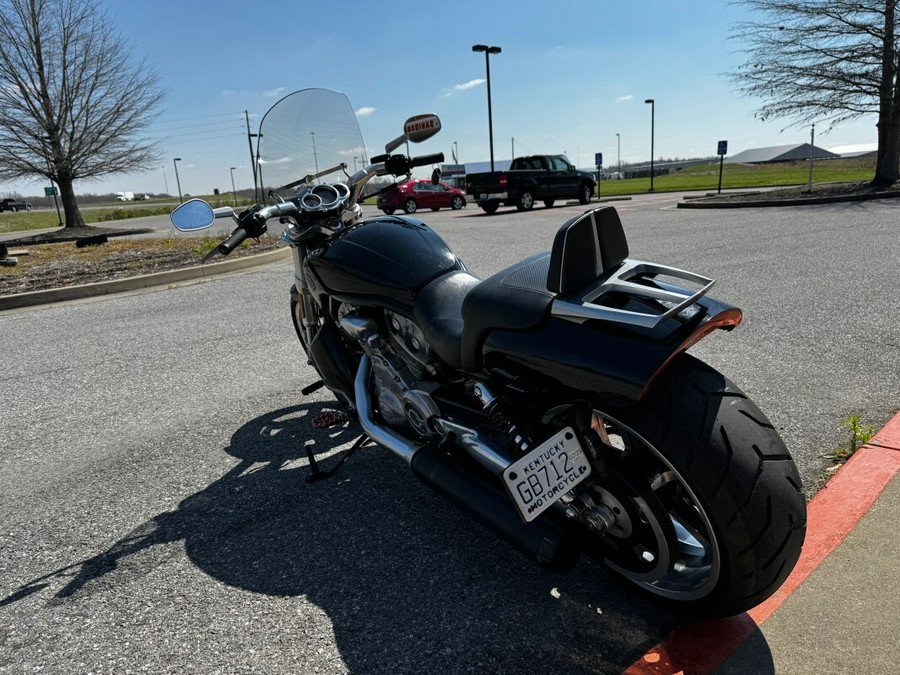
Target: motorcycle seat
515, 298
456, 311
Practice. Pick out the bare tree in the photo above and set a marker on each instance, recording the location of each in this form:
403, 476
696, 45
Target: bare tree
72, 104
826, 60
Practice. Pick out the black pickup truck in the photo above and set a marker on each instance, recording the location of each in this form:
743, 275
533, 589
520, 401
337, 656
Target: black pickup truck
544, 178
14, 205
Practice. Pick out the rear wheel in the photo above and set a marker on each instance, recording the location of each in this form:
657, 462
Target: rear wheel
410, 206
525, 202
390, 212
706, 501
490, 207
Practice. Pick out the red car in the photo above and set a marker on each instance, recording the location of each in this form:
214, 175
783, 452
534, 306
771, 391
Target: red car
421, 194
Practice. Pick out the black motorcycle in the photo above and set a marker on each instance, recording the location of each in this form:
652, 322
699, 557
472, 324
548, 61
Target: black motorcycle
553, 401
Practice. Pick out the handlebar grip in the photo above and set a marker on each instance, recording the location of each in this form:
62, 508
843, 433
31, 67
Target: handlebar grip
235, 240
424, 160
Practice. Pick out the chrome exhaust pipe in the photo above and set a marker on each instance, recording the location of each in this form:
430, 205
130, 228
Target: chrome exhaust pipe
385, 437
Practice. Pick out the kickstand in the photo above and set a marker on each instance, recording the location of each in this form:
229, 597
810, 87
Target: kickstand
317, 474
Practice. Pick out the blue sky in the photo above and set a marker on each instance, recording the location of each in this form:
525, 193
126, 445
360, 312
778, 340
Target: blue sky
570, 77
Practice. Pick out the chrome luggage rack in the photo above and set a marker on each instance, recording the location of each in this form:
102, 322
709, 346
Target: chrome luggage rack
585, 304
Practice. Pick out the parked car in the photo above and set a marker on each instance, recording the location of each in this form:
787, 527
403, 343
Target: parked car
421, 194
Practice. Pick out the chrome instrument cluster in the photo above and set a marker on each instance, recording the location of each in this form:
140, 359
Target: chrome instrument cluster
323, 197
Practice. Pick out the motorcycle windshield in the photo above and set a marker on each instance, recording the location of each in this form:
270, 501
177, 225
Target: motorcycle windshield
306, 133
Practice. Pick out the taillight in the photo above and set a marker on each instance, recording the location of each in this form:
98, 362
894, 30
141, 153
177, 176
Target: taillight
503, 181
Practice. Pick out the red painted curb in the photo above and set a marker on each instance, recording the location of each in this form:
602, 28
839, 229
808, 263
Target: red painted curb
702, 646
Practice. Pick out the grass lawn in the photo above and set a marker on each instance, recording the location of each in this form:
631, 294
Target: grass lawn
706, 176
700, 177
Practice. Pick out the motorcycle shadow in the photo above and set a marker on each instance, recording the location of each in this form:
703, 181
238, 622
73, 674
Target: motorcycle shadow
408, 583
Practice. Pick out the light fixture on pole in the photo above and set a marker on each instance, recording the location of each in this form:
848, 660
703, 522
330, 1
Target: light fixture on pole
487, 65
233, 192
652, 125
177, 179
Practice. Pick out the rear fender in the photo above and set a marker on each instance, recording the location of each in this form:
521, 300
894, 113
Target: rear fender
618, 362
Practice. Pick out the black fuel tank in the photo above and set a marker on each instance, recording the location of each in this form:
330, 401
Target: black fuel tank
381, 259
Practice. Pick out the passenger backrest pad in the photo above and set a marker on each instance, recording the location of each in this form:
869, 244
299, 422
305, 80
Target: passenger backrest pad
584, 248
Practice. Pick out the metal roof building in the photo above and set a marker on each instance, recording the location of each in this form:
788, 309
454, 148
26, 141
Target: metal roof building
780, 153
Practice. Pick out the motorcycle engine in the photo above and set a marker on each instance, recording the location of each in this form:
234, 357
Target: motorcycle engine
400, 370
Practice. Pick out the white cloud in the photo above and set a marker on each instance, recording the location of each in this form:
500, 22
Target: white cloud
456, 88
624, 99
365, 111
271, 93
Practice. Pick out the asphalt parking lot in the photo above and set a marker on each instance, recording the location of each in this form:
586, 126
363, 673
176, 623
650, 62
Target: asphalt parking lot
155, 516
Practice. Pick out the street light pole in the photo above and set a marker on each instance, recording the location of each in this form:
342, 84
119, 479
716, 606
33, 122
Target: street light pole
233, 192
619, 155
652, 126
250, 138
177, 179
487, 66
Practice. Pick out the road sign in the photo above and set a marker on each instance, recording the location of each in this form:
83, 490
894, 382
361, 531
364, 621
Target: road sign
723, 148
598, 159
50, 191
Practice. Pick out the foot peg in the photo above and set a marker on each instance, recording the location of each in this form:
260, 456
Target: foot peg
329, 418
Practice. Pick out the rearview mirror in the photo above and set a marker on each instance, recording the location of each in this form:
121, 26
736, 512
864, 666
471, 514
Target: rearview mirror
436, 176
415, 130
194, 214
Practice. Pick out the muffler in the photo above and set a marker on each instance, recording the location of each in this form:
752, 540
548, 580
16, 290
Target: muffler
540, 540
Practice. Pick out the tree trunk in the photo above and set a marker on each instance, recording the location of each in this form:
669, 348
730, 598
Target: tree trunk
70, 204
887, 164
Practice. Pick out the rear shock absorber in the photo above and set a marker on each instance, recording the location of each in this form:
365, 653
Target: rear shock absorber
517, 439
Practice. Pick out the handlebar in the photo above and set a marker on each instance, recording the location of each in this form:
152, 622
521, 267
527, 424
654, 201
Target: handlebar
236, 239
252, 222
425, 160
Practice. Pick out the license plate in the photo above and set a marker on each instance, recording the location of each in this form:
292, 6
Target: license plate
540, 478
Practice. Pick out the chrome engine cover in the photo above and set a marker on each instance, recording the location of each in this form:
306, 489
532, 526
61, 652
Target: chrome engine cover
404, 397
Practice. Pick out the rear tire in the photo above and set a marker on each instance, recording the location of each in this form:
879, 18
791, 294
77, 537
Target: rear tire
525, 202
718, 517
389, 212
490, 207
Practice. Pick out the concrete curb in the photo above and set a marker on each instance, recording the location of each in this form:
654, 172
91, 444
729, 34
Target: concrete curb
144, 281
699, 203
702, 646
